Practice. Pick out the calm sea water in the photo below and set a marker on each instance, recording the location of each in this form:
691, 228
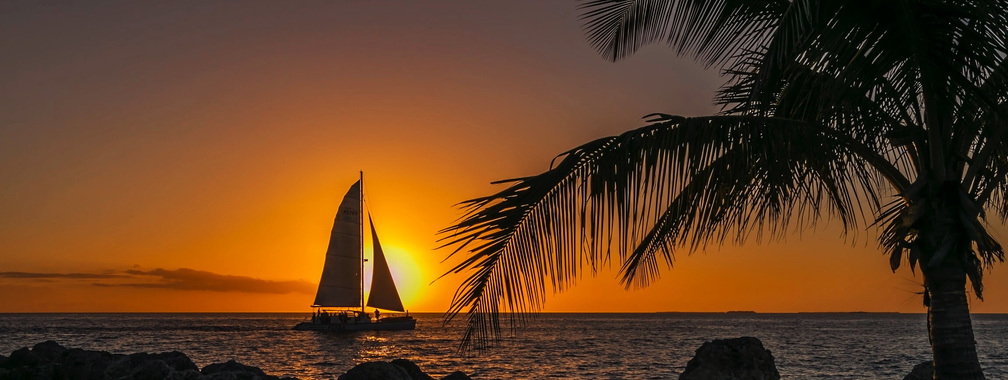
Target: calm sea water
598, 346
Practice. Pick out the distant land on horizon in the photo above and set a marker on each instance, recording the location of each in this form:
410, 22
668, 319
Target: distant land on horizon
746, 312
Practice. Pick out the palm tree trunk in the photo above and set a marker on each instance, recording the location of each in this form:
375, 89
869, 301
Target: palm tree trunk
952, 342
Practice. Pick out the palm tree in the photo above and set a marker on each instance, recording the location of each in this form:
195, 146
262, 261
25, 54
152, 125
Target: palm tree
888, 114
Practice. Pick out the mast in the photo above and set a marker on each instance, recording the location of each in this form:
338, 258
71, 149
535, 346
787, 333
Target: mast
362, 241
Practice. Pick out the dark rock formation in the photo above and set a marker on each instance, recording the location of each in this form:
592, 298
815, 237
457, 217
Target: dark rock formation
411, 369
376, 371
457, 375
51, 361
731, 359
147, 366
82, 364
922, 371
399, 369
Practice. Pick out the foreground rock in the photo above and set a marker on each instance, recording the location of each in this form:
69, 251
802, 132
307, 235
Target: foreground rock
399, 369
51, 361
922, 371
731, 359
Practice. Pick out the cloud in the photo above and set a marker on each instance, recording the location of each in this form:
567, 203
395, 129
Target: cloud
58, 276
184, 279
191, 279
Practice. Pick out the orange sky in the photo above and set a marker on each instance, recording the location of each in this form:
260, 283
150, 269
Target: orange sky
191, 156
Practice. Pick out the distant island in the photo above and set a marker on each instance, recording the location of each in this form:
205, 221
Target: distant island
849, 312
707, 312
799, 312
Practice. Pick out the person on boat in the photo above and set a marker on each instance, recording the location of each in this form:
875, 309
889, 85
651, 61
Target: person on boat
377, 315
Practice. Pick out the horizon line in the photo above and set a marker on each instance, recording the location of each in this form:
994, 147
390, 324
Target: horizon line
732, 312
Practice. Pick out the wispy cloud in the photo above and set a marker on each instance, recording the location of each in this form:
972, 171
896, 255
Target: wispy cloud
191, 279
184, 279
57, 276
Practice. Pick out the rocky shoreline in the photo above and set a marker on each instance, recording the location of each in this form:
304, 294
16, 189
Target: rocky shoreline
742, 358
51, 361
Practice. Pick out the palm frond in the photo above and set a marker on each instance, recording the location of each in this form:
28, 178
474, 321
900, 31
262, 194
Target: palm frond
713, 31
676, 183
829, 108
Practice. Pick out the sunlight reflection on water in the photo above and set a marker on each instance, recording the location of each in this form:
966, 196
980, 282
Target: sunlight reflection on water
644, 346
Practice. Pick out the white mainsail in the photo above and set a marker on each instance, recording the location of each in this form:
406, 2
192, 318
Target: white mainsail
383, 293
340, 285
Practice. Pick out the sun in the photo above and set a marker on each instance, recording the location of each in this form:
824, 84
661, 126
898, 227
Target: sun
406, 272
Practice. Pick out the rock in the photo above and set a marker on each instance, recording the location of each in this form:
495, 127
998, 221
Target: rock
23, 364
742, 358
49, 351
457, 375
176, 361
119, 369
232, 370
412, 369
83, 364
51, 361
399, 369
167, 365
21, 357
151, 370
376, 371
922, 371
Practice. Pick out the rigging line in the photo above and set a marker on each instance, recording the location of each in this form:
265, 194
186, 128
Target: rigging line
365, 210
364, 200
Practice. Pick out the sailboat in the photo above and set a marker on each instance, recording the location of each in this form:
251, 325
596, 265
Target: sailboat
341, 288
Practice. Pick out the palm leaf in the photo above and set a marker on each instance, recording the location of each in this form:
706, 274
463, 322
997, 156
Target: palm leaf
713, 31
677, 182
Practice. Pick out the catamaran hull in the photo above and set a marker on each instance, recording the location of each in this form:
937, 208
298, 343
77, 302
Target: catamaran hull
398, 324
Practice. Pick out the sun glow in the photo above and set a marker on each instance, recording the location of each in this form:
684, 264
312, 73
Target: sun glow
406, 272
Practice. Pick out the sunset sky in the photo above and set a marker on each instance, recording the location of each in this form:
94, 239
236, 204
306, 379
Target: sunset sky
190, 156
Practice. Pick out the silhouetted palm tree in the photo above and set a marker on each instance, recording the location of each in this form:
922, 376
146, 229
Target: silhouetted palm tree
884, 113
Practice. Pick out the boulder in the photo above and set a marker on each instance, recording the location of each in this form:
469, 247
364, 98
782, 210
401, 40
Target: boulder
399, 369
176, 361
50, 361
412, 369
150, 366
49, 351
22, 357
84, 364
232, 370
23, 364
457, 375
150, 370
376, 371
922, 371
742, 358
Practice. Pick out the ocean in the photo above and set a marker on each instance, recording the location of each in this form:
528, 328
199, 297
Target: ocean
562, 346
